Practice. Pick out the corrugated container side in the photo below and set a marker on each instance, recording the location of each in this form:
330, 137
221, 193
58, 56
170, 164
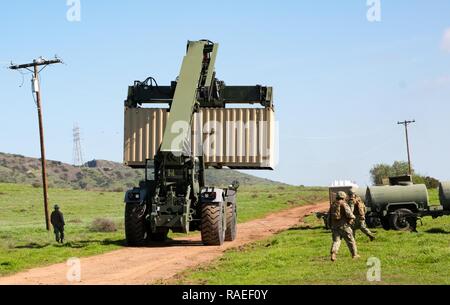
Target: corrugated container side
237, 138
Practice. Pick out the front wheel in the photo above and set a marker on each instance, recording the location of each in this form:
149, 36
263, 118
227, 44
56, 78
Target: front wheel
213, 224
135, 228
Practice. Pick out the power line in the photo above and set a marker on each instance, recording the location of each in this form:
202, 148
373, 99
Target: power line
33, 67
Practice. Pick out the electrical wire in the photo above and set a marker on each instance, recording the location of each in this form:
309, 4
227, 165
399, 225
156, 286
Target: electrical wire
23, 74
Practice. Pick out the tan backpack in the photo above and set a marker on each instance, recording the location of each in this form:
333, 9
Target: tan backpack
335, 210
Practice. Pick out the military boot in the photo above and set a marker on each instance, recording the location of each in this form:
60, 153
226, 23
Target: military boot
372, 237
354, 252
333, 257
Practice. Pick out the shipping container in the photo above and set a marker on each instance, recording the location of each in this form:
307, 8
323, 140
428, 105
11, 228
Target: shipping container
239, 138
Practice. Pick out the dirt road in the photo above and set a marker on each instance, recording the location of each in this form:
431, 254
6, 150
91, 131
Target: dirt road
153, 263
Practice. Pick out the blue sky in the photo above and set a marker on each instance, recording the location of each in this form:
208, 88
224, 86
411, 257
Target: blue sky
341, 82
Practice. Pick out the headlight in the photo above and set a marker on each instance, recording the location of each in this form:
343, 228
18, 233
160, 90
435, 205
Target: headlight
134, 196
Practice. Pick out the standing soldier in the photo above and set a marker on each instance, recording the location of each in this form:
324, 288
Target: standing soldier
359, 210
341, 219
57, 220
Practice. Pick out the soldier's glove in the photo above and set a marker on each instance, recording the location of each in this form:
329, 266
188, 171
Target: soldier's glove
351, 222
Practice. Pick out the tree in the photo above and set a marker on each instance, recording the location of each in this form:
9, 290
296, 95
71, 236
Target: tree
430, 182
381, 171
399, 168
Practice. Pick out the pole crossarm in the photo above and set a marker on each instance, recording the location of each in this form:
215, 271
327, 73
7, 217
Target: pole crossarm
36, 63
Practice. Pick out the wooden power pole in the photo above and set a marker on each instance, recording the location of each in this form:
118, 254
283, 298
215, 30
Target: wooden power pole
406, 124
34, 69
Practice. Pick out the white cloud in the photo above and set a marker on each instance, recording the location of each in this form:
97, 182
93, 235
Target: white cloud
446, 41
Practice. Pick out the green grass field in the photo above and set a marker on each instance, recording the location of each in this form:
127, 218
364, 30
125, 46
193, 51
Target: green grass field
24, 242
301, 256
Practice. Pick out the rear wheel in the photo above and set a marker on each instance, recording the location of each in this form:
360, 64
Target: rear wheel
213, 223
135, 228
231, 218
402, 220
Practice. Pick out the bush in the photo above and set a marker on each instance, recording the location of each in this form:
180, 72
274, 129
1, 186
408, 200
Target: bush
82, 184
103, 225
430, 182
36, 184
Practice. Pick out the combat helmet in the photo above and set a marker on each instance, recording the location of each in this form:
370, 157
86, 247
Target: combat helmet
341, 195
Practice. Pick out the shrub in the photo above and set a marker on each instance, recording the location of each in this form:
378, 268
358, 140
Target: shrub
103, 225
36, 184
82, 184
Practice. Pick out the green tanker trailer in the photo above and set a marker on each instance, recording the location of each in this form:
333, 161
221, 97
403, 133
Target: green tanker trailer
399, 207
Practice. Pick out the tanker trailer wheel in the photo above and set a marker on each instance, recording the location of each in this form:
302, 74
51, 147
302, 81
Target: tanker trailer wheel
373, 222
135, 227
231, 218
160, 235
402, 220
385, 223
213, 223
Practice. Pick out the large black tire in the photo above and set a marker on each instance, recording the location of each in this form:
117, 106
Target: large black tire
160, 235
213, 224
231, 218
373, 222
402, 220
385, 223
135, 227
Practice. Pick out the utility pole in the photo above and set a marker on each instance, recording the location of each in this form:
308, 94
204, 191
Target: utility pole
34, 69
406, 124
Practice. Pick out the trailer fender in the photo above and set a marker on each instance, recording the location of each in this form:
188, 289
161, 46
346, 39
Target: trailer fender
392, 207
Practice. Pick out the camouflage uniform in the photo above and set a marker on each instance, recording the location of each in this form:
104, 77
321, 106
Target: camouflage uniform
359, 210
57, 220
340, 220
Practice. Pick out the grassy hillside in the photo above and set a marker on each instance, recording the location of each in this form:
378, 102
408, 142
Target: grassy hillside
301, 256
24, 242
97, 174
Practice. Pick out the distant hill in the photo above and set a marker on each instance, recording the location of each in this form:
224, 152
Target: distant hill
98, 174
